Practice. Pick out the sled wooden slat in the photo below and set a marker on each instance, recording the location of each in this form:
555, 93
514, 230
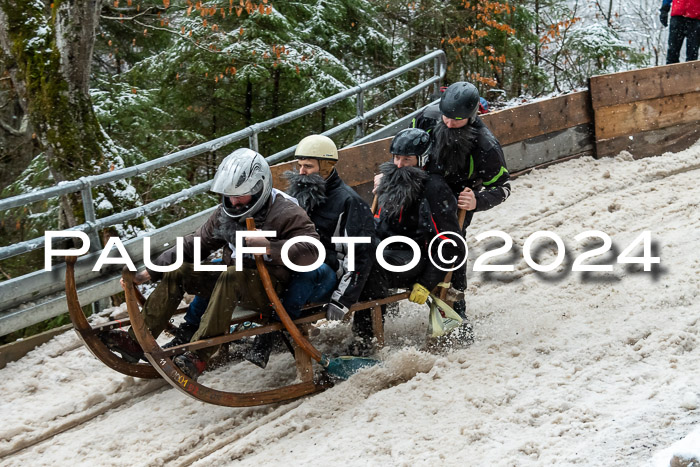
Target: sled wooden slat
212, 341
90, 338
270, 327
186, 385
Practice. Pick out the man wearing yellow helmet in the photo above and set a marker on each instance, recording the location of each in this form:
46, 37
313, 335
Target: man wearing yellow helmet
337, 211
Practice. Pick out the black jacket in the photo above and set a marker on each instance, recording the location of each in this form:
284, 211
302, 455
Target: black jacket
434, 213
344, 214
486, 172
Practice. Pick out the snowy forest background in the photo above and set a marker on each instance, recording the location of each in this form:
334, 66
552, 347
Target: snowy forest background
160, 76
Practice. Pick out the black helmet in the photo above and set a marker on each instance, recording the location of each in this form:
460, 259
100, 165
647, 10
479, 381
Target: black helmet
412, 142
459, 101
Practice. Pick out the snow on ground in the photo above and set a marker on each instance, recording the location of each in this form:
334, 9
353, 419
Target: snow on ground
598, 368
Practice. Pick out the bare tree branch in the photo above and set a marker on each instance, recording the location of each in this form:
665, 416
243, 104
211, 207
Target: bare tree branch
16, 132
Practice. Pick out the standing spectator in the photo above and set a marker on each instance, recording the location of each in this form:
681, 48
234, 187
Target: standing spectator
685, 25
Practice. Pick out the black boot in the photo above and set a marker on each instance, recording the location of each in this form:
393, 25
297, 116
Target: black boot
183, 335
190, 364
259, 353
464, 333
363, 344
121, 342
460, 306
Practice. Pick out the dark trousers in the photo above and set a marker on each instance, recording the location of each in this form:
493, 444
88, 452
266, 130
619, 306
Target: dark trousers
381, 280
681, 28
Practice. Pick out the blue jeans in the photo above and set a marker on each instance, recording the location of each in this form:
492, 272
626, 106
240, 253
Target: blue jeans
308, 287
304, 287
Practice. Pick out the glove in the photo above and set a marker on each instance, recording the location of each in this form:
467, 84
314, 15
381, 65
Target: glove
663, 15
335, 311
419, 294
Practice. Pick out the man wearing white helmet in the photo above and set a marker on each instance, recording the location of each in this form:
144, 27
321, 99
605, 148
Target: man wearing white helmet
337, 211
244, 182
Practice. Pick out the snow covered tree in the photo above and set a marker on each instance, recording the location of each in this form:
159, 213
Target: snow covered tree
47, 52
486, 42
169, 75
576, 44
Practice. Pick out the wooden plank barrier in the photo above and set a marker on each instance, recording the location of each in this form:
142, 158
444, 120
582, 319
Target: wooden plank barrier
543, 132
647, 112
531, 135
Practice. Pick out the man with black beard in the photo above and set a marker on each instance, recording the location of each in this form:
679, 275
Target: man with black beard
416, 204
468, 155
244, 182
337, 211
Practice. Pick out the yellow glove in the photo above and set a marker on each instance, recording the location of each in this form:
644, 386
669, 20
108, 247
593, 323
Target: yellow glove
419, 294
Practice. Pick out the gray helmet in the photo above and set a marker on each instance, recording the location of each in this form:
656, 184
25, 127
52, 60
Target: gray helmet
243, 172
460, 101
412, 142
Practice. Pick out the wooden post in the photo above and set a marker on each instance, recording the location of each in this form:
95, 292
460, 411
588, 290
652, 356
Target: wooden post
305, 371
378, 325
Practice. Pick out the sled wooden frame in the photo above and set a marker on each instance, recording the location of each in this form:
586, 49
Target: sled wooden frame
89, 335
160, 360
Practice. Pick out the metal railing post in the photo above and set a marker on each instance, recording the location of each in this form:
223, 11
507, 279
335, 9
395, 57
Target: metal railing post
95, 243
253, 142
360, 127
436, 72
90, 218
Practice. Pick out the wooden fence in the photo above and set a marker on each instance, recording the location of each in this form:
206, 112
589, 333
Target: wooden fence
646, 112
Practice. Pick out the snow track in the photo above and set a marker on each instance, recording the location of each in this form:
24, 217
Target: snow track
567, 368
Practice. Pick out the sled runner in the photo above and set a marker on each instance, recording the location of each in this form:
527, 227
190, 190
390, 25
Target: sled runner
90, 335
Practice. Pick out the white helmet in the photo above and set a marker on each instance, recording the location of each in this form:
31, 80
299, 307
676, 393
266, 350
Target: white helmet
243, 172
317, 147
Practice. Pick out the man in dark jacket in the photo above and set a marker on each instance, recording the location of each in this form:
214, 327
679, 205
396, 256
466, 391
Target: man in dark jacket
419, 205
468, 155
337, 211
244, 182
685, 25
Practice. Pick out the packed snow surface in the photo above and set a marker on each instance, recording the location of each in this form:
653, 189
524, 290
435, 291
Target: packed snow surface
585, 368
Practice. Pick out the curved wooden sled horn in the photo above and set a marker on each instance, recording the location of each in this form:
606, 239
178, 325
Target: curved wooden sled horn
162, 362
89, 336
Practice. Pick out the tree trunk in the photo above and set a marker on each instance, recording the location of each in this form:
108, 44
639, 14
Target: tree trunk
276, 93
47, 49
48, 53
248, 103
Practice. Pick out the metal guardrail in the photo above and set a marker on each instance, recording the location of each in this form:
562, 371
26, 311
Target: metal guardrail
85, 184
14, 319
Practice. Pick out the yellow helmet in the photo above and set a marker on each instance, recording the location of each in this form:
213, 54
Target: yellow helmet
317, 147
